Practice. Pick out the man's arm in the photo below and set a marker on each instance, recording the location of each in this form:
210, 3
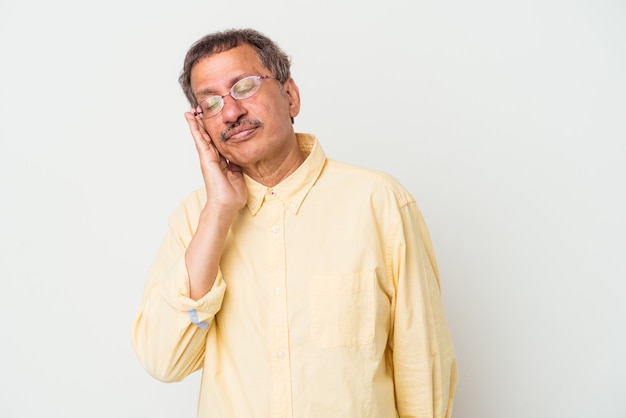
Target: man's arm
226, 195
184, 289
424, 362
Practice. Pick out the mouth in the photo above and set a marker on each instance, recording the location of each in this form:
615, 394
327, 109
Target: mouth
240, 130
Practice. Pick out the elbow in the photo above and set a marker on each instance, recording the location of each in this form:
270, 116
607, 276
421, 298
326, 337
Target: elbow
156, 366
165, 375
151, 358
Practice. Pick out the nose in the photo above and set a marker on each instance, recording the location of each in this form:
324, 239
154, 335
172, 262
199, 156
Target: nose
233, 109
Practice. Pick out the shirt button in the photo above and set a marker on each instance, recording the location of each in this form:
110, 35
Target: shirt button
275, 228
293, 206
277, 290
281, 355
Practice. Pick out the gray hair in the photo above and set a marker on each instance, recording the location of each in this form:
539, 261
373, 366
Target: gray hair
270, 55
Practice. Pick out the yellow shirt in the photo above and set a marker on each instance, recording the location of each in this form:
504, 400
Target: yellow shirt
327, 303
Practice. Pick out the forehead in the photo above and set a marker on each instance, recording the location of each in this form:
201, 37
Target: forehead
217, 72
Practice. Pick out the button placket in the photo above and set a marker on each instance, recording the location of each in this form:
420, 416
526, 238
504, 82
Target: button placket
279, 334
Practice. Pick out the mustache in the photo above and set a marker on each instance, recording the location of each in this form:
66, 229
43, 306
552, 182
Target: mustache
228, 132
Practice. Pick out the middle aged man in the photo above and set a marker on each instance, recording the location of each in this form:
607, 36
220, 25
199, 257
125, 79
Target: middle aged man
302, 286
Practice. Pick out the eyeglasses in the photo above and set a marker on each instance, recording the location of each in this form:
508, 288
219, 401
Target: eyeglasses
242, 89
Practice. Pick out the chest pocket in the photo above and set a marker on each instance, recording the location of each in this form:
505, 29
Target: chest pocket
343, 309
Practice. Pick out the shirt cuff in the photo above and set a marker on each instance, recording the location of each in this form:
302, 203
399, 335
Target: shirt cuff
202, 310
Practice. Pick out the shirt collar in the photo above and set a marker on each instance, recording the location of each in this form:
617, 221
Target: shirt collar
292, 190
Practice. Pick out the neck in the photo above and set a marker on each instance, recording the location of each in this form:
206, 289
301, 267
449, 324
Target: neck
270, 173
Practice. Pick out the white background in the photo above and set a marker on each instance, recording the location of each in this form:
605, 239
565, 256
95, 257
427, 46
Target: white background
506, 120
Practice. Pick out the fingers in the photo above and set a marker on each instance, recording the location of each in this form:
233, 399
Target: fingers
204, 144
200, 138
210, 157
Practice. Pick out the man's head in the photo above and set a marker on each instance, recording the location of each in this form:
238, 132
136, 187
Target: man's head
239, 85
269, 54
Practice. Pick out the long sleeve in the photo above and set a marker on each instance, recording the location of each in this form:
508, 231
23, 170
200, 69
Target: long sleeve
424, 362
170, 329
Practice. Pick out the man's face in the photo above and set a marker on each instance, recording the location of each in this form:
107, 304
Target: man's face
251, 131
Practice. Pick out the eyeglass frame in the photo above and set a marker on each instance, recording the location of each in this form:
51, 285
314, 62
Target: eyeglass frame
230, 93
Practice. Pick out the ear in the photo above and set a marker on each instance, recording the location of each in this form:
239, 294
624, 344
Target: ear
293, 94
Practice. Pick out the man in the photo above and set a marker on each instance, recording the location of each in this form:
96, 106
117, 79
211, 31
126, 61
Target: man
303, 287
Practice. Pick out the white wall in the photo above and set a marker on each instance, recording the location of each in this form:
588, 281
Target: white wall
506, 120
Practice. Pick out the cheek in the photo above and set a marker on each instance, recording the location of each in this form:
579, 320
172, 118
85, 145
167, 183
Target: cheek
212, 130
276, 111
221, 149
